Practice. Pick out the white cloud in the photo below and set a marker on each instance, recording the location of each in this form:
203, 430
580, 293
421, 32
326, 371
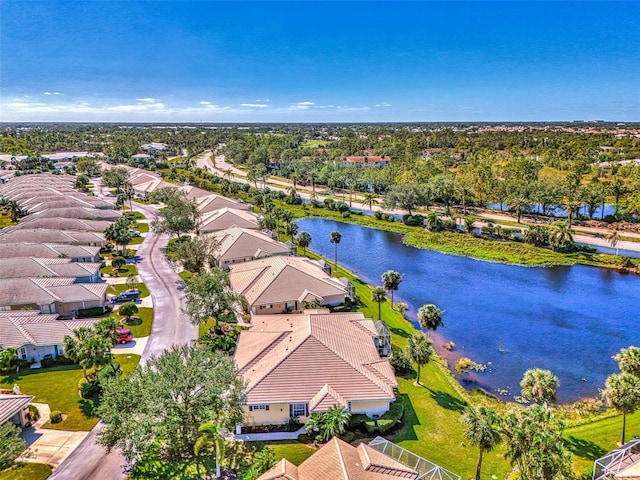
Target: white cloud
48, 93
138, 107
383, 105
306, 103
204, 102
254, 105
57, 93
146, 99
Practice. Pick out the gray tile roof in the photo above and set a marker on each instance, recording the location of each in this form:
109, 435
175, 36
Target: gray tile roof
47, 250
12, 404
43, 235
45, 267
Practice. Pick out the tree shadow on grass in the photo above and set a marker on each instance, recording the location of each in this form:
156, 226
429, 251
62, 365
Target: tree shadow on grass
584, 448
409, 420
448, 401
400, 332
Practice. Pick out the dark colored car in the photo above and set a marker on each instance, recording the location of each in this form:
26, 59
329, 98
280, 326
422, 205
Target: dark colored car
124, 335
127, 296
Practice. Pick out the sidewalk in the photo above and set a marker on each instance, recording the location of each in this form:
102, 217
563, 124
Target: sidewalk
265, 437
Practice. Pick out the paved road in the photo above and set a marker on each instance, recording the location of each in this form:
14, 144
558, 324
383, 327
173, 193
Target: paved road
170, 327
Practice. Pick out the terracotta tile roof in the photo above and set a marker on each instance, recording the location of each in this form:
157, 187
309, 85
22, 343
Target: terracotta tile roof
283, 470
42, 235
45, 267
337, 460
194, 193
12, 404
44, 291
281, 279
29, 327
240, 243
368, 159
46, 250
227, 218
211, 203
311, 357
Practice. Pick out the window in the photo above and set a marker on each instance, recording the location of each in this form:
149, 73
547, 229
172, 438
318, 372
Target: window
22, 353
265, 307
298, 410
253, 408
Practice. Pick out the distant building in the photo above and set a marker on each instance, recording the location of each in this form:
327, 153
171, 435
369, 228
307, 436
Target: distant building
153, 147
369, 160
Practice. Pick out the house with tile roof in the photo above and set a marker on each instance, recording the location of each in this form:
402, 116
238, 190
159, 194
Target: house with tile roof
226, 218
286, 284
294, 365
338, 460
85, 213
239, 245
213, 202
49, 267
41, 235
72, 224
35, 335
51, 295
77, 253
13, 408
369, 160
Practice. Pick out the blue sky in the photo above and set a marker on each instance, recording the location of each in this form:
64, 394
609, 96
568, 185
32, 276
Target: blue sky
164, 61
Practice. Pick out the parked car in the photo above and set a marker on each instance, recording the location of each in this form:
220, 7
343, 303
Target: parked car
124, 335
127, 296
134, 233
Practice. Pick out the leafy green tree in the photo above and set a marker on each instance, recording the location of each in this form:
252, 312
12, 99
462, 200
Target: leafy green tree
561, 238
118, 233
539, 386
115, 177
483, 430
179, 216
128, 310
622, 392
194, 253
419, 350
167, 399
90, 166
118, 262
535, 445
11, 445
7, 356
629, 360
407, 196
391, 282
379, 295
335, 238
209, 295
304, 240
430, 317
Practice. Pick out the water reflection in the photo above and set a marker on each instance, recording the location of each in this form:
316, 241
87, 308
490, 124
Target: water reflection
568, 319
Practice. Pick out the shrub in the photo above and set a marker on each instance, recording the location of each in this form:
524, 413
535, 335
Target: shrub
378, 214
348, 436
413, 220
90, 312
355, 211
357, 421
388, 217
128, 310
293, 424
34, 413
399, 361
56, 416
88, 389
346, 214
389, 420
118, 262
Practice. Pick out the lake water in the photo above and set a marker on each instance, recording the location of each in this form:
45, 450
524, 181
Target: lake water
570, 320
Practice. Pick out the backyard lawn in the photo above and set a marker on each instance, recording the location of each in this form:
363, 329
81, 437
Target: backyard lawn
26, 471
123, 271
58, 386
120, 288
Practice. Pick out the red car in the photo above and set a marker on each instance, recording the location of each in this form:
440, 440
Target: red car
124, 335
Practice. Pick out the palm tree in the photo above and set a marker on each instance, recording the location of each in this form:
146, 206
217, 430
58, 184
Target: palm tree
379, 294
430, 317
629, 360
613, 238
335, 238
211, 434
334, 421
15, 212
369, 199
561, 239
539, 386
391, 281
622, 392
304, 240
469, 224
419, 350
482, 430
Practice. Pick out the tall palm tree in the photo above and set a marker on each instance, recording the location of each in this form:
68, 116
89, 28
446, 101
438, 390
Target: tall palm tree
629, 360
419, 350
622, 392
430, 317
539, 386
391, 281
482, 430
334, 421
335, 238
369, 199
211, 435
15, 212
379, 295
304, 240
613, 238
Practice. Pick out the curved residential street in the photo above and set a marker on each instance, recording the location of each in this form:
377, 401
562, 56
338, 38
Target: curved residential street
170, 327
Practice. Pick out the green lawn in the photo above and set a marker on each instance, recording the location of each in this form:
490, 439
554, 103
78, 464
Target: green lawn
141, 227
293, 451
26, 471
186, 275
58, 386
141, 326
118, 289
124, 271
5, 219
136, 240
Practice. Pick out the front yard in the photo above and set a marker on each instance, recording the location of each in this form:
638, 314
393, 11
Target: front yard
58, 386
26, 471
